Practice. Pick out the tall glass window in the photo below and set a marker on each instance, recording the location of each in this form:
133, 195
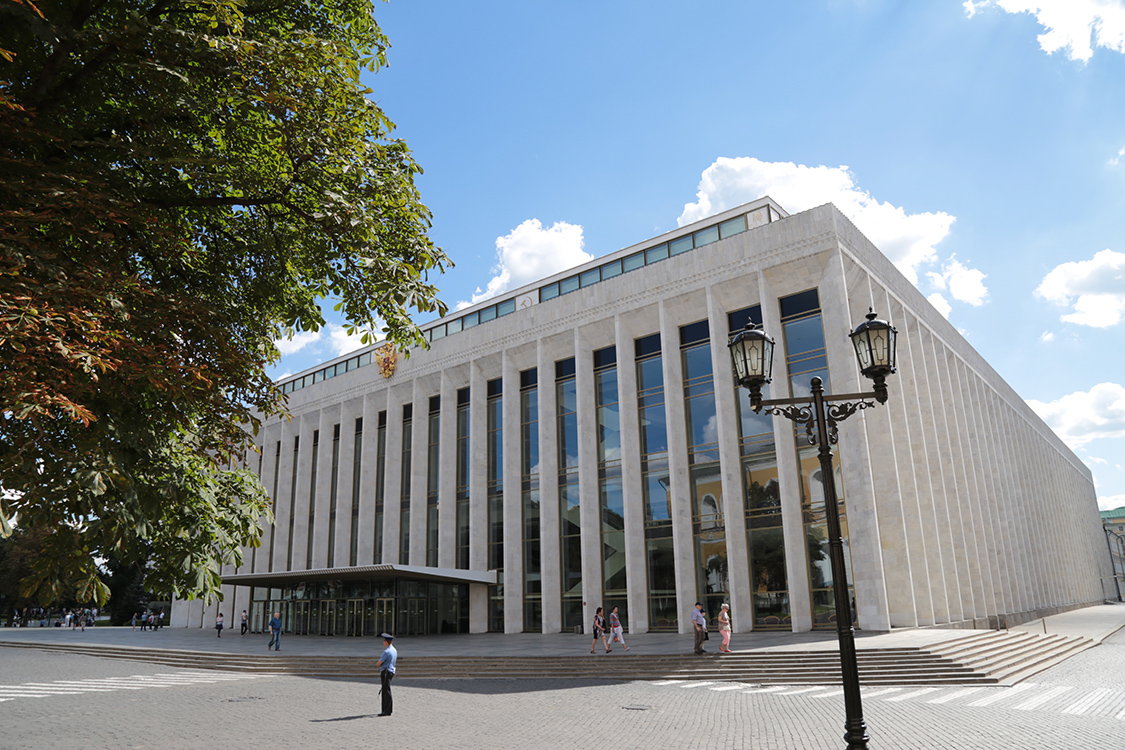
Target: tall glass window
273, 526
529, 498
566, 420
762, 503
495, 476
432, 469
611, 493
332, 496
292, 501
380, 477
357, 465
312, 499
462, 556
660, 557
806, 358
708, 524
404, 495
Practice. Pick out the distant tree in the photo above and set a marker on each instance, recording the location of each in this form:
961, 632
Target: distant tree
127, 594
180, 183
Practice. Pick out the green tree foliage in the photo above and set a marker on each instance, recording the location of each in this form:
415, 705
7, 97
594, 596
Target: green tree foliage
180, 183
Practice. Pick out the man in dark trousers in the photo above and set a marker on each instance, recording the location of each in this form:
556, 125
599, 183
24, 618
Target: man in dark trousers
387, 672
275, 632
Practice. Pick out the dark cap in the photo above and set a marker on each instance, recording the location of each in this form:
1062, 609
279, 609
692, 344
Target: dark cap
699, 604
387, 637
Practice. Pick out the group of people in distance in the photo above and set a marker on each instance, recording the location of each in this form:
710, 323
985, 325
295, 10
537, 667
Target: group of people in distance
148, 620
614, 633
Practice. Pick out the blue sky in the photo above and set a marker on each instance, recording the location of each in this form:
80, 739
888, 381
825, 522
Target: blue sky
981, 146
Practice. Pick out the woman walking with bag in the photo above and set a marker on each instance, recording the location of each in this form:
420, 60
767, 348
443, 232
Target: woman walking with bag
599, 630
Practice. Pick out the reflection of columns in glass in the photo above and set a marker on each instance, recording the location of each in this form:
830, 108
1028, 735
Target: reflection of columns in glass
529, 500
380, 477
610, 493
566, 420
495, 478
660, 559
461, 528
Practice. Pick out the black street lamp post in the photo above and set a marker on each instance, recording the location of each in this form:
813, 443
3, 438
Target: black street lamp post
874, 342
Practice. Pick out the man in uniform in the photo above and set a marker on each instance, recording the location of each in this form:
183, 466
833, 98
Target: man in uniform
387, 672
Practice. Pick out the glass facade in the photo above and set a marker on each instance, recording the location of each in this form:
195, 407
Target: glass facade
312, 500
404, 493
357, 466
806, 358
432, 469
332, 496
570, 520
611, 493
712, 574
292, 502
461, 555
660, 558
765, 540
273, 526
495, 477
529, 499
380, 477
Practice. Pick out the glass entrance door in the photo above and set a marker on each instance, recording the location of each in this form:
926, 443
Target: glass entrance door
327, 617
300, 618
355, 617
385, 616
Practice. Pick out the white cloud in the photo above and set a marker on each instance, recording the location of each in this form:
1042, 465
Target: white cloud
1115, 160
1085, 416
1111, 502
340, 341
971, 8
907, 239
1070, 25
530, 252
964, 284
1094, 288
1047, 337
297, 342
938, 301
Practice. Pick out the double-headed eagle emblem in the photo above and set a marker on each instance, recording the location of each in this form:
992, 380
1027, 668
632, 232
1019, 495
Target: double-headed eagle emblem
386, 356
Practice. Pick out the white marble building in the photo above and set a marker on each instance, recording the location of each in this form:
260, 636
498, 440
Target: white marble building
581, 442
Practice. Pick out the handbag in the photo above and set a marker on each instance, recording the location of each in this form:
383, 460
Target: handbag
706, 636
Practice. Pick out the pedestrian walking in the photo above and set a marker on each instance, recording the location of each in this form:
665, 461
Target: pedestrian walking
219, 624
724, 629
160, 620
275, 632
134, 621
245, 624
616, 632
699, 621
599, 631
387, 663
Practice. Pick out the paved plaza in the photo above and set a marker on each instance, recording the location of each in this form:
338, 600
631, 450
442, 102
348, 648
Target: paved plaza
47, 698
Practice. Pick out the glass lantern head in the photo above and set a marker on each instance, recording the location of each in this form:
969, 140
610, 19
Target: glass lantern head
874, 342
751, 351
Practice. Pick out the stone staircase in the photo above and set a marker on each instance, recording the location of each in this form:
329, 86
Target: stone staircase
987, 658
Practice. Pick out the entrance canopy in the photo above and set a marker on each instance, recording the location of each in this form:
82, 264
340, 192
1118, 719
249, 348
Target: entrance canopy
279, 579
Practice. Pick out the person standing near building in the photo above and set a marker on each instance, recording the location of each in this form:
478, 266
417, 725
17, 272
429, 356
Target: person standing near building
387, 663
245, 624
599, 630
615, 629
699, 622
275, 632
219, 624
724, 629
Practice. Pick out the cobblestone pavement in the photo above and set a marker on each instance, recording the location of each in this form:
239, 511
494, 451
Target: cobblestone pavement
100, 703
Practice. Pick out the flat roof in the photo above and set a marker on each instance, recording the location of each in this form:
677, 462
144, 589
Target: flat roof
385, 571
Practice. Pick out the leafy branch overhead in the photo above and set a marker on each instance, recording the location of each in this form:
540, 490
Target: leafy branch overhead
180, 184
